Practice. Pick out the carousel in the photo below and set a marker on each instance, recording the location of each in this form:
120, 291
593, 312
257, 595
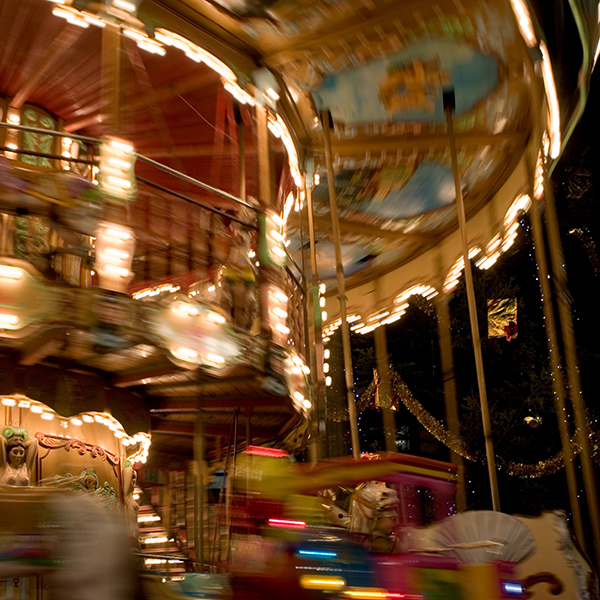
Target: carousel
195, 196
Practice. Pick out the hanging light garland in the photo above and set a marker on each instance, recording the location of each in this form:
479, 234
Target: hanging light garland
432, 425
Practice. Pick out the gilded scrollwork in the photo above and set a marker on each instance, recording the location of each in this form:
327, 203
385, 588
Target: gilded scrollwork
47, 440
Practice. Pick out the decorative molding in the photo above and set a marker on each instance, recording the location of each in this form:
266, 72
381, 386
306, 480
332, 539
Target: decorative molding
49, 440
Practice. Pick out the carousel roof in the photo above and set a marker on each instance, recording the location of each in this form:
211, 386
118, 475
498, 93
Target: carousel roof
181, 91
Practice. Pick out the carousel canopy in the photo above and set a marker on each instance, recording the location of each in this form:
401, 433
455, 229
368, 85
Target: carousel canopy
184, 83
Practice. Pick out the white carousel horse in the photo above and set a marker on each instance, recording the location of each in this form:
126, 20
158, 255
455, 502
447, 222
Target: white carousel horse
366, 501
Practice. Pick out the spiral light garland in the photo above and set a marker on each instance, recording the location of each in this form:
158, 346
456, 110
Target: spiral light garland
432, 425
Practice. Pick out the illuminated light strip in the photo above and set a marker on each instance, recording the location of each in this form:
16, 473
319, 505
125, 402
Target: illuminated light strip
287, 207
521, 204
214, 359
215, 64
155, 540
524, 21
9, 272
71, 15
148, 518
154, 291
317, 553
553, 106
278, 124
261, 451
238, 93
287, 523
512, 587
128, 6
311, 582
90, 18
185, 310
194, 52
7, 320
366, 593
151, 46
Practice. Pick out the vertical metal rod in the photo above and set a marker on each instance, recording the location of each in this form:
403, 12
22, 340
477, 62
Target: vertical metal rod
306, 332
339, 267
385, 388
450, 399
224, 492
264, 165
230, 478
557, 376
462, 226
316, 444
199, 486
248, 427
242, 159
576, 393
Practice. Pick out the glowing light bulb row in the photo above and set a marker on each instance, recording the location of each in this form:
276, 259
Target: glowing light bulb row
155, 291
13, 116
87, 418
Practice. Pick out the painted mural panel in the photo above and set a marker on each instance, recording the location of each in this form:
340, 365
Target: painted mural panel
409, 84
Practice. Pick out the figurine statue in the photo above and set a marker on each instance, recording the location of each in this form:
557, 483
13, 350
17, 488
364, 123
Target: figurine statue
17, 456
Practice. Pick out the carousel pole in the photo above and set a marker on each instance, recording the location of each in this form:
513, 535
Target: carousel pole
316, 445
385, 389
450, 396
449, 105
241, 151
347, 349
199, 491
565, 318
230, 479
557, 374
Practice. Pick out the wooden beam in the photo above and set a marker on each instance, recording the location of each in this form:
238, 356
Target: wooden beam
43, 345
137, 376
198, 386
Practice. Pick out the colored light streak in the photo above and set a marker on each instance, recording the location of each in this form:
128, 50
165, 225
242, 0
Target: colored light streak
317, 554
285, 523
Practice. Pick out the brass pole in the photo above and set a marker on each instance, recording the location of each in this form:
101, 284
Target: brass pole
339, 267
316, 444
230, 480
388, 415
264, 163
557, 376
199, 486
462, 226
242, 158
565, 317
450, 397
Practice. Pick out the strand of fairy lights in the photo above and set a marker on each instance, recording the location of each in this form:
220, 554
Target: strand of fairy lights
432, 425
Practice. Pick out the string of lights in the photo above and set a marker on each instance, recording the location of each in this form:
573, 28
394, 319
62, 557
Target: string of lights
432, 425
